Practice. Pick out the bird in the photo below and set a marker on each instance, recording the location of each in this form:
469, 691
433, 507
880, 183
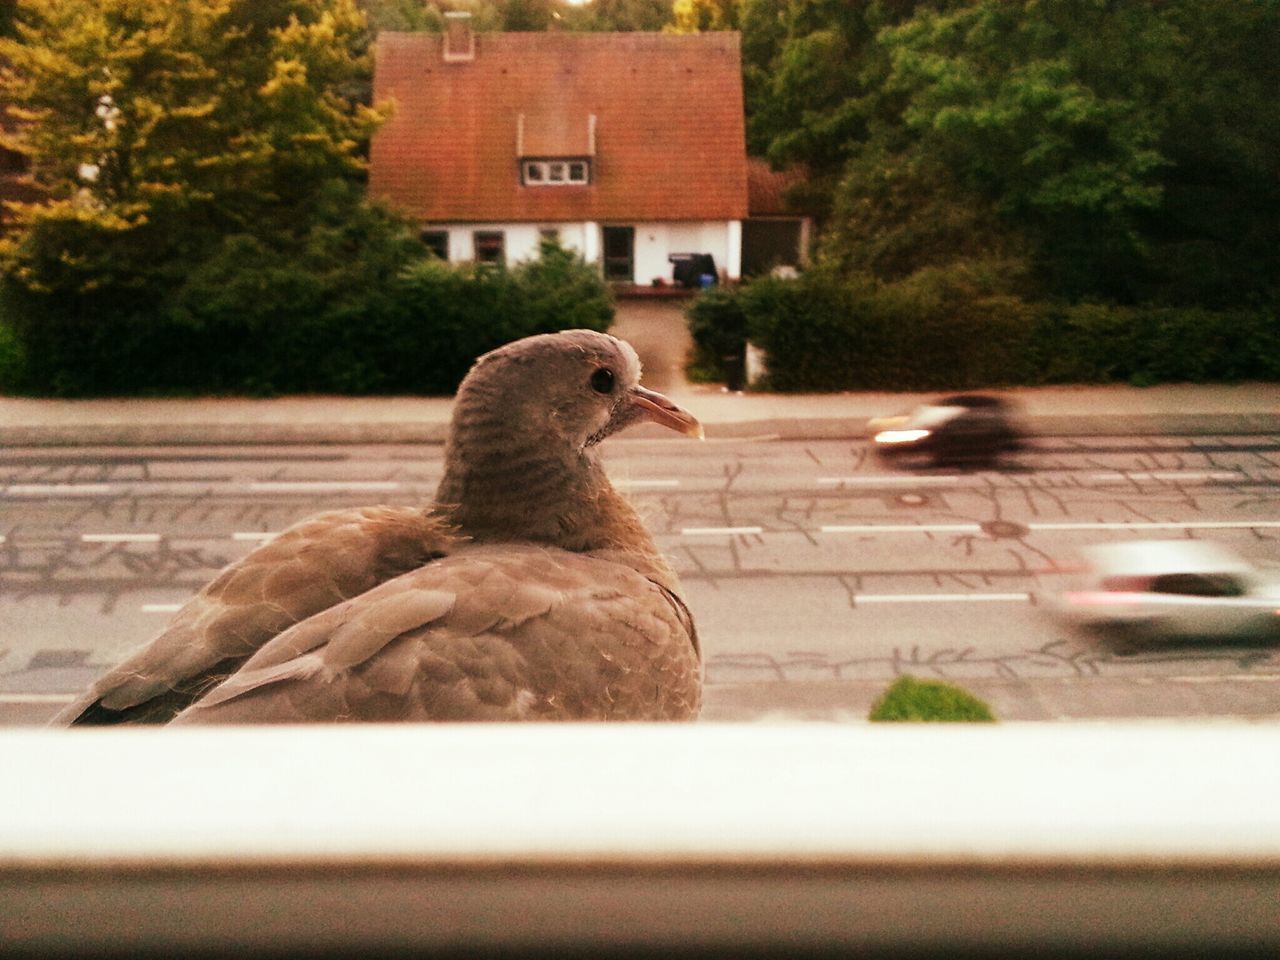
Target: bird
529, 589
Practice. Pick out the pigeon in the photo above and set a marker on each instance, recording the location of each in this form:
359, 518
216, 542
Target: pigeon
528, 590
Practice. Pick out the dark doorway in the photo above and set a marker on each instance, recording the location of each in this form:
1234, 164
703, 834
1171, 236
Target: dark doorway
772, 242
619, 254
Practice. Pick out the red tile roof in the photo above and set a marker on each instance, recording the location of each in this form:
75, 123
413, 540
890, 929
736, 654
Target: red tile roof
668, 128
767, 188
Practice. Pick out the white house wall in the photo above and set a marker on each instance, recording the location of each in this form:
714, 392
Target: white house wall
654, 242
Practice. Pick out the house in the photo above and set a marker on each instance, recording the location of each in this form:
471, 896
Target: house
773, 235
627, 147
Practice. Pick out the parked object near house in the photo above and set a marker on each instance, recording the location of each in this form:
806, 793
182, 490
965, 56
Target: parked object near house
1153, 589
965, 428
626, 147
694, 271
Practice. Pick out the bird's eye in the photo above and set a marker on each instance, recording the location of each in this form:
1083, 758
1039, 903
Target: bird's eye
602, 380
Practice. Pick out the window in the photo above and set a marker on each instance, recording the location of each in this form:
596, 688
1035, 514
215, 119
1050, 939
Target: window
1198, 585
437, 241
556, 172
489, 247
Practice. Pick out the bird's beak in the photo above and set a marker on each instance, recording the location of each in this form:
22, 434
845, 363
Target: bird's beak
653, 406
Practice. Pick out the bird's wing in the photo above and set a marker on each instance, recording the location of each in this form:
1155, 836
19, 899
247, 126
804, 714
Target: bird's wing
309, 567
487, 633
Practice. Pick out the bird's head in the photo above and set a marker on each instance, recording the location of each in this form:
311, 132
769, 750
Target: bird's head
577, 386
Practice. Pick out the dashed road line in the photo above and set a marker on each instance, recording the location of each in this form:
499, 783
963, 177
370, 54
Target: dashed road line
120, 537
57, 489
1160, 525
323, 486
892, 480
874, 528
941, 598
161, 607
35, 698
254, 536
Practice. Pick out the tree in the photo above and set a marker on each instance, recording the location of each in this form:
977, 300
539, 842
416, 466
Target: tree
813, 75
1215, 238
401, 15
698, 16
172, 138
1045, 110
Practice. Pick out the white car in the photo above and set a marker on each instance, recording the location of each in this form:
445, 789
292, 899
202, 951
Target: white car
1173, 588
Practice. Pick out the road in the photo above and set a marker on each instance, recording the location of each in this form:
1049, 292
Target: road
816, 574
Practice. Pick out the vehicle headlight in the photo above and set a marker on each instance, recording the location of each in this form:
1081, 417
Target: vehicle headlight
900, 436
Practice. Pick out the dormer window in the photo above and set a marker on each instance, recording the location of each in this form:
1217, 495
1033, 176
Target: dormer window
555, 173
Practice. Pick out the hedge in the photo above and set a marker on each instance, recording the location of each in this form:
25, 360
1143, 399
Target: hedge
940, 330
250, 322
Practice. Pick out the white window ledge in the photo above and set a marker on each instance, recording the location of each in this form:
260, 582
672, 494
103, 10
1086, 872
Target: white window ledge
678, 838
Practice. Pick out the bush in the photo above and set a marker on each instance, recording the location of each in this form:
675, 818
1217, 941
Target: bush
359, 309
959, 327
912, 700
815, 332
718, 327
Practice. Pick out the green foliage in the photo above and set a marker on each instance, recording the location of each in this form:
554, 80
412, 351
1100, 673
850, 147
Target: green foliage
387, 320
444, 317
1044, 110
899, 213
915, 701
958, 327
718, 327
221, 241
402, 15
1151, 344
531, 15
697, 16
1215, 239
1128, 153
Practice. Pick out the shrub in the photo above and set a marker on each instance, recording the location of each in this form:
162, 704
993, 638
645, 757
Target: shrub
718, 327
813, 331
961, 327
357, 310
912, 700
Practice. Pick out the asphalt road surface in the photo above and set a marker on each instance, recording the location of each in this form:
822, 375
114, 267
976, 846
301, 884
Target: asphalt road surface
816, 574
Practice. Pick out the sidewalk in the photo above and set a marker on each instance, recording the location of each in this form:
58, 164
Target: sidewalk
1049, 411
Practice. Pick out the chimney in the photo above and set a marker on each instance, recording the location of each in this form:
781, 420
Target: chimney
459, 40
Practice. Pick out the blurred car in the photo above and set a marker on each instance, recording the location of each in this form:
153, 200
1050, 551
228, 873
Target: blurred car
957, 429
1177, 588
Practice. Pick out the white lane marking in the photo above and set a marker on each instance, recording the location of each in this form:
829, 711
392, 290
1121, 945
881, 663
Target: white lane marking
646, 483
1161, 525
254, 535
161, 607
16, 698
57, 489
314, 486
941, 597
902, 528
120, 537
910, 480
710, 531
